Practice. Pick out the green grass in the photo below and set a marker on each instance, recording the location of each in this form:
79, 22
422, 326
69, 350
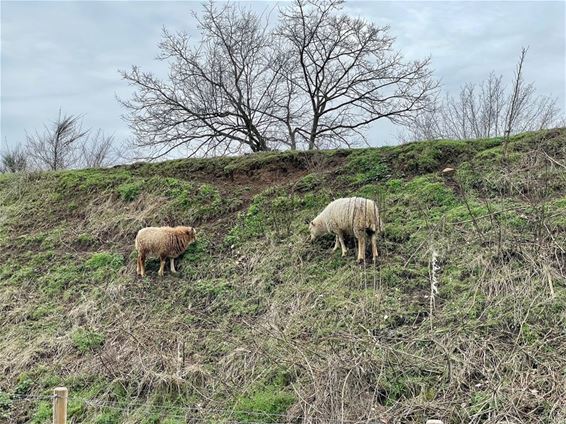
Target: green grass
87, 340
259, 322
130, 191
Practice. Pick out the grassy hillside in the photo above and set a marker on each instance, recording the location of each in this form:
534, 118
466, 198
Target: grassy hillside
262, 326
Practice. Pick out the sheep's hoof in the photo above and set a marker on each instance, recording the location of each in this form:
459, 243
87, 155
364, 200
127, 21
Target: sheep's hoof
361, 262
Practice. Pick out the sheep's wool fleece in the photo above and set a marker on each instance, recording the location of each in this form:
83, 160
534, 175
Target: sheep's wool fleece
163, 241
350, 215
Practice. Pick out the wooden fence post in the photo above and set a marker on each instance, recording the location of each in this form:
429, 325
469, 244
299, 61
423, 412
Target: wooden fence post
60, 395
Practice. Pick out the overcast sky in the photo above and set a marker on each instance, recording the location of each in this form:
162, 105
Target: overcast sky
66, 54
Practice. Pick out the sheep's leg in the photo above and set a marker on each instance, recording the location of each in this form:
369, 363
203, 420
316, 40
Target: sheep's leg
161, 267
336, 244
173, 265
138, 265
343, 245
361, 247
141, 262
374, 250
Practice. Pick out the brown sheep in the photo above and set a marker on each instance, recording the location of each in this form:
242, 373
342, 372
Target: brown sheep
162, 242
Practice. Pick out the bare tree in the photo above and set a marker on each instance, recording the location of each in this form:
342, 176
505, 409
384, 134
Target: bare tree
318, 79
488, 110
56, 148
477, 111
290, 105
350, 73
218, 96
519, 95
13, 160
97, 150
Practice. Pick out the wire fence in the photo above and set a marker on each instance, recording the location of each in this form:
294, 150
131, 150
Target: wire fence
188, 413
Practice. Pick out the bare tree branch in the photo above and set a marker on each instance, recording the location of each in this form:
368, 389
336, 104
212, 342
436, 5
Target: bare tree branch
316, 80
13, 160
56, 148
220, 90
350, 72
488, 110
97, 151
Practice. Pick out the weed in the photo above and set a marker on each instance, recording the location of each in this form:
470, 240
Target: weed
43, 413
85, 240
130, 191
87, 340
309, 182
259, 323
59, 278
109, 417
5, 405
266, 404
367, 166
104, 260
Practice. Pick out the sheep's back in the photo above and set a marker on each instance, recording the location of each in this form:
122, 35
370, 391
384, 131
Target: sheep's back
153, 240
351, 215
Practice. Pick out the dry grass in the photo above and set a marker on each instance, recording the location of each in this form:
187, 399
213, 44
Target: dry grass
462, 318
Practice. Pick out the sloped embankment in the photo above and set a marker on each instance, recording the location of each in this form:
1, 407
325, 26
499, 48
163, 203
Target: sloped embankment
261, 326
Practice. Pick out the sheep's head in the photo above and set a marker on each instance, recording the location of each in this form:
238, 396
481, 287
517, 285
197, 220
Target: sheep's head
189, 231
316, 229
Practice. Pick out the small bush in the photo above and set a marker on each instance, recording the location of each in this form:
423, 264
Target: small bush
90, 179
430, 191
60, 278
250, 224
281, 213
42, 311
316, 200
24, 384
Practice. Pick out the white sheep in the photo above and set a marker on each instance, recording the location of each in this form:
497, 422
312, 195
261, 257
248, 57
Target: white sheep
162, 242
350, 216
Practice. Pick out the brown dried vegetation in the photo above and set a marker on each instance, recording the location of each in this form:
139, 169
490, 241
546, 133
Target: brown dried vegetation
461, 319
